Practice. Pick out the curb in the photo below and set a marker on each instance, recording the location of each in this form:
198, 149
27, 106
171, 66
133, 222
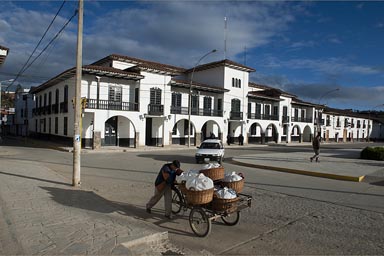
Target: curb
302, 172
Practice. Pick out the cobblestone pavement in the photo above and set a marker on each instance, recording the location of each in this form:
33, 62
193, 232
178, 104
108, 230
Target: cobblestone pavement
41, 213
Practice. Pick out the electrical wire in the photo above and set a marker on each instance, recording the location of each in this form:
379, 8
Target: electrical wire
50, 42
23, 69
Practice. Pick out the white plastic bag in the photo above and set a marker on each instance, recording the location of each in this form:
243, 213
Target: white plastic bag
232, 177
226, 193
186, 175
210, 166
199, 183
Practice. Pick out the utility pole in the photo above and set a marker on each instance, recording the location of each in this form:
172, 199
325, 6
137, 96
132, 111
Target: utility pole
78, 108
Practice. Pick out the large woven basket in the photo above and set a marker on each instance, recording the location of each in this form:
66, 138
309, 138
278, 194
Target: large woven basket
214, 173
225, 205
235, 185
199, 197
183, 188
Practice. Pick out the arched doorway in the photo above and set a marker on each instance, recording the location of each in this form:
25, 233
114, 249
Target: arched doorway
110, 132
307, 134
210, 130
119, 131
295, 134
271, 134
254, 136
180, 133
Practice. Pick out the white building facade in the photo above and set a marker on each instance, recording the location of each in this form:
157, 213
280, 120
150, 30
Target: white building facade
130, 102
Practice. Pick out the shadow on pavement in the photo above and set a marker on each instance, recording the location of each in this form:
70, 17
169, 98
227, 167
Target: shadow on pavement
34, 178
86, 200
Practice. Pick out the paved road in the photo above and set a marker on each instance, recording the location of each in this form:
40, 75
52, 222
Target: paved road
291, 214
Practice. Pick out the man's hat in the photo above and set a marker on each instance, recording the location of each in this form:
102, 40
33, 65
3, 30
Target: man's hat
176, 163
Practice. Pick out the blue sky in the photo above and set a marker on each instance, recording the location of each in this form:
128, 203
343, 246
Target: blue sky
305, 48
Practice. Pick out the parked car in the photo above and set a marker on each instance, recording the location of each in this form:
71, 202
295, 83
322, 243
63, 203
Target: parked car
210, 150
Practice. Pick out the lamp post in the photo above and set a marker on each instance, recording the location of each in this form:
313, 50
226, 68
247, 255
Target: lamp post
318, 114
369, 120
190, 95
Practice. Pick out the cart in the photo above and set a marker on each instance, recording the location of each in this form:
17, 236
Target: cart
201, 216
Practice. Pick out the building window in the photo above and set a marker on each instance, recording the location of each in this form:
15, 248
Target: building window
219, 104
276, 111
155, 96
56, 125
207, 103
267, 110
65, 126
115, 94
49, 102
296, 114
235, 106
176, 99
49, 126
258, 108
236, 83
195, 104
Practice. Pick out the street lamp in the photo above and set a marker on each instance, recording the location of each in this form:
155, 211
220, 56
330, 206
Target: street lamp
369, 118
190, 95
318, 114
9, 81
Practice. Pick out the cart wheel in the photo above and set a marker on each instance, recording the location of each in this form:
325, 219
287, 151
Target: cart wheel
177, 201
199, 222
231, 219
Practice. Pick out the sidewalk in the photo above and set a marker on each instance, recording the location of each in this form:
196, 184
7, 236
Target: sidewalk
343, 165
42, 214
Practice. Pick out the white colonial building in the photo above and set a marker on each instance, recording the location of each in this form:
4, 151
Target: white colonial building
131, 102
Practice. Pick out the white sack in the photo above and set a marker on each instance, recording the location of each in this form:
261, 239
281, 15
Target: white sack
232, 177
186, 175
199, 183
226, 193
210, 166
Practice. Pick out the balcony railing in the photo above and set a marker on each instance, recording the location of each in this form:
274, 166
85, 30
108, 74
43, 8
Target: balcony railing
55, 108
196, 111
261, 116
112, 105
319, 123
233, 115
301, 119
155, 109
254, 116
64, 107
270, 117
286, 119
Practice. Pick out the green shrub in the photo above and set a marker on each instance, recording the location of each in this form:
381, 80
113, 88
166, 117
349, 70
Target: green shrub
376, 153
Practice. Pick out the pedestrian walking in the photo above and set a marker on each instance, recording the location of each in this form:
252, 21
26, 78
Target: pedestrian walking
241, 139
163, 187
316, 147
229, 139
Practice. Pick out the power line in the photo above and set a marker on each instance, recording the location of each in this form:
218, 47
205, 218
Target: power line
50, 42
23, 69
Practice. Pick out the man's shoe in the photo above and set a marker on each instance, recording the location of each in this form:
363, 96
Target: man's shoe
148, 210
311, 159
